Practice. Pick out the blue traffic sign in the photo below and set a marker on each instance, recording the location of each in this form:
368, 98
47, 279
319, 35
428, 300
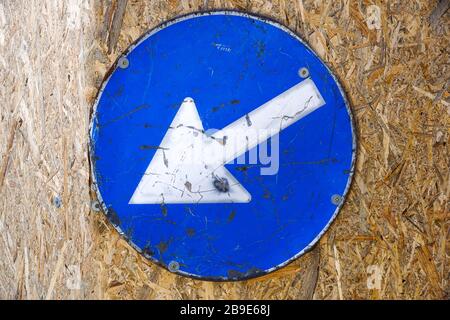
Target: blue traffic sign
222, 147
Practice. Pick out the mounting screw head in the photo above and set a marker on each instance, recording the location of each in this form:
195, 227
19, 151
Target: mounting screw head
173, 266
123, 63
336, 199
95, 206
303, 72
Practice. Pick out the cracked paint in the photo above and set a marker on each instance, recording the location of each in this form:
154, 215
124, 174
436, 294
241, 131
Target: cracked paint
233, 222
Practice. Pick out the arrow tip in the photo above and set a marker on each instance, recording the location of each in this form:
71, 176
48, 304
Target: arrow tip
179, 171
188, 99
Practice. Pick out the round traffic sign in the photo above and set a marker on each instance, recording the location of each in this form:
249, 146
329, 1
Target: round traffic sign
222, 147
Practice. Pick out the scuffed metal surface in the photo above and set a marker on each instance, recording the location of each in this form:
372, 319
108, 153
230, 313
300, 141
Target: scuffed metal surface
157, 251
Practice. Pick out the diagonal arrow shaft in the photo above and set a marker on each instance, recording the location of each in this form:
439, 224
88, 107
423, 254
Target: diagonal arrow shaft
188, 166
264, 122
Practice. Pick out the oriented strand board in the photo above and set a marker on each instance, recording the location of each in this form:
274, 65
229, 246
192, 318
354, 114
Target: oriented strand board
389, 241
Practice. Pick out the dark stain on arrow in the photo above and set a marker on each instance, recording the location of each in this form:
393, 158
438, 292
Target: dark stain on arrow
247, 118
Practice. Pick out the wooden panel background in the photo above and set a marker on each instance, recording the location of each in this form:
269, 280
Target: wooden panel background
394, 64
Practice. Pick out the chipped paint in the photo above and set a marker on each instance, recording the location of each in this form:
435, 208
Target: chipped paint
206, 224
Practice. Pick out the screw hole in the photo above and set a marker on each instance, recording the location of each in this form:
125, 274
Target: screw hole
303, 72
123, 63
95, 206
336, 199
173, 266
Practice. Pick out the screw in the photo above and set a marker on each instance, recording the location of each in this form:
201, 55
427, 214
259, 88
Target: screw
123, 63
303, 72
95, 206
336, 199
173, 266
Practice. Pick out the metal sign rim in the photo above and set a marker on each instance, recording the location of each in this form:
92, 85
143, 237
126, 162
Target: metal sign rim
148, 34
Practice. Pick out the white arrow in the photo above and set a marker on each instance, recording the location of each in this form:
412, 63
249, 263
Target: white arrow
188, 166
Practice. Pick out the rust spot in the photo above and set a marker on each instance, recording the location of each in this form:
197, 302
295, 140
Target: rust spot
147, 251
119, 91
242, 168
113, 217
128, 233
267, 194
222, 105
217, 108
252, 272
234, 274
162, 246
190, 232
260, 49
164, 210
231, 216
